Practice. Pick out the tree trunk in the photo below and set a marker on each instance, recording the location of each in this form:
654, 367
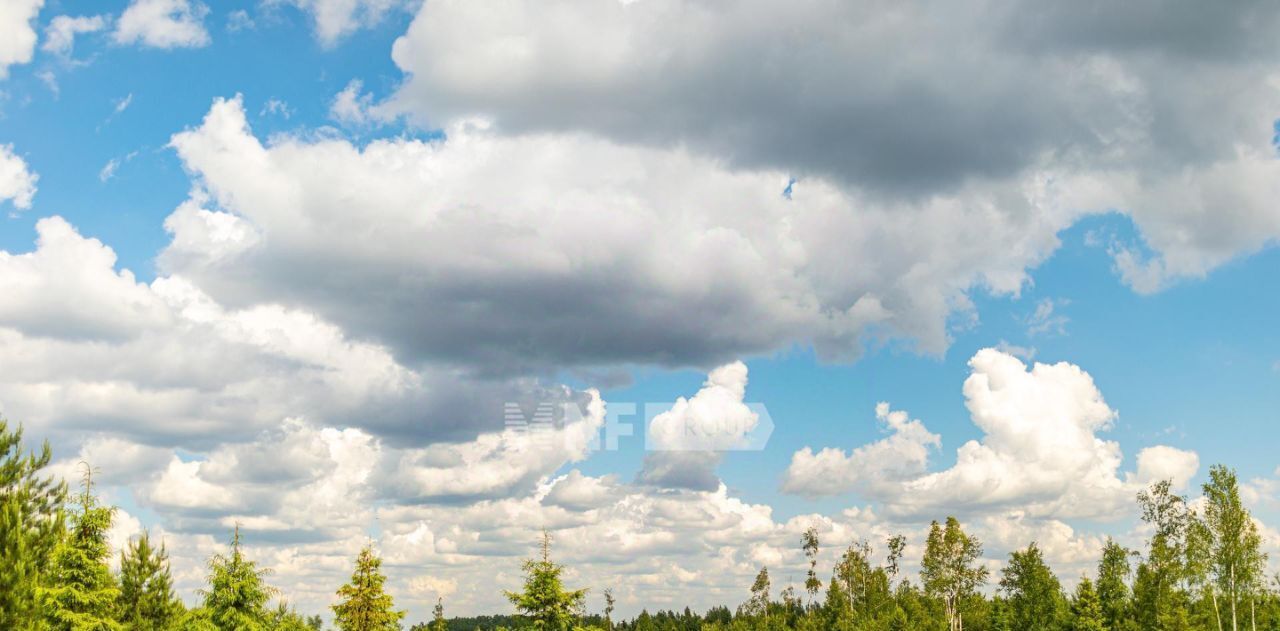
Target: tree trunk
1233, 598
1213, 593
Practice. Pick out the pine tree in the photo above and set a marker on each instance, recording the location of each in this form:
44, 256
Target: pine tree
147, 601
237, 595
544, 599
1086, 608
437, 622
364, 605
31, 527
82, 593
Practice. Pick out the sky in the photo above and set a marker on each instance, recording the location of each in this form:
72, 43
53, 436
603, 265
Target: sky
316, 267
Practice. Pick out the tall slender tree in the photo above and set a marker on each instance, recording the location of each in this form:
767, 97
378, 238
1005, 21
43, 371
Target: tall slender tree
950, 570
809, 543
437, 621
1160, 588
364, 604
82, 592
237, 594
1235, 560
147, 600
544, 600
1113, 585
31, 527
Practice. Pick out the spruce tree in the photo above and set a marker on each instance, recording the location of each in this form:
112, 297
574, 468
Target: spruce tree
81, 593
363, 604
1086, 609
147, 601
544, 600
31, 527
237, 595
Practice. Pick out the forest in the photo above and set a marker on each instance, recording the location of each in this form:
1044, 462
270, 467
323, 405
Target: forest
1202, 569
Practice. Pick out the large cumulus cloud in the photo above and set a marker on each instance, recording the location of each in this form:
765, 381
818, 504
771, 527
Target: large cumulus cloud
1163, 110
1039, 455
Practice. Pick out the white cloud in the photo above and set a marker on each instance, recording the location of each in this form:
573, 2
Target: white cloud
1047, 319
350, 107
87, 345
335, 19
884, 463
163, 24
684, 442
60, 34
1170, 124
17, 32
17, 182
1039, 453
501, 237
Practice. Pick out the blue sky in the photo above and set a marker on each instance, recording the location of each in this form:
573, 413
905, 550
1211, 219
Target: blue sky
343, 262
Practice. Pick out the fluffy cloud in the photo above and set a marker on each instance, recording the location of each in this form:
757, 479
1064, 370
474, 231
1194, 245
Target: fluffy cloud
903, 454
685, 442
17, 182
1160, 109
163, 24
514, 254
1039, 454
60, 35
87, 346
17, 33
335, 19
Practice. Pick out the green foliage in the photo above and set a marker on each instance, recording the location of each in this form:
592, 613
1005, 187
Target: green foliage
147, 601
31, 527
1113, 585
1234, 559
364, 605
1086, 608
285, 618
438, 623
950, 570
237, 596
1035, 596
544, 600
82, 593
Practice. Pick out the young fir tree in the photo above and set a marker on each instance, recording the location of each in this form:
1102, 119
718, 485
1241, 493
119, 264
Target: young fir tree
237, 595
363, 603
437, 620
1034, 593
31, 526
544, 600
147, 601
82, 593
1086, 609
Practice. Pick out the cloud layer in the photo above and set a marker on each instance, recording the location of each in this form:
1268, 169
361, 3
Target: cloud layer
1157, 109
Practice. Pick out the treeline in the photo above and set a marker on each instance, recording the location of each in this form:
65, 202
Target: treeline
1202, 569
